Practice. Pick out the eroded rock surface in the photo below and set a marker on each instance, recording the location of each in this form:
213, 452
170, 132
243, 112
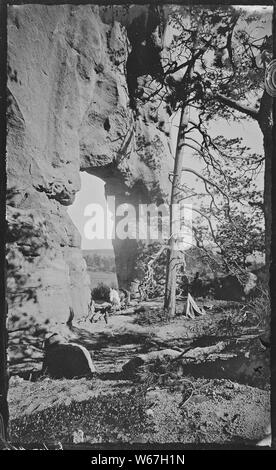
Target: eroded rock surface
69, 110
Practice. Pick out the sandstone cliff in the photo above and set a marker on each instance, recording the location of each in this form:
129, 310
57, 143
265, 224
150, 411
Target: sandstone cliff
71, 70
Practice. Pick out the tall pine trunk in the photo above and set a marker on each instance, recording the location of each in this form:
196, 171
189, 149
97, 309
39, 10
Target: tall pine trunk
173, 252
265, 123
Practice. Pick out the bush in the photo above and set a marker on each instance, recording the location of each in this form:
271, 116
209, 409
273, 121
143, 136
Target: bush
260, 308
101, 292
150, 317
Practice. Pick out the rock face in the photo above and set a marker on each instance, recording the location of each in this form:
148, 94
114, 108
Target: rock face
69, 110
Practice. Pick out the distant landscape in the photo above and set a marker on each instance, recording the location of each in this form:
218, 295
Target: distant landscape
101, 267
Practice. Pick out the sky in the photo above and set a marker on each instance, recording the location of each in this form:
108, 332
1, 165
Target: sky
92, 191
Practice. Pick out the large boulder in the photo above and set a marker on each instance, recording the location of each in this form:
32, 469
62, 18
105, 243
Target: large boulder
66, 360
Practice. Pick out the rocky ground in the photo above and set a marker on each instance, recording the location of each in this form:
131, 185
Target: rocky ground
188, 381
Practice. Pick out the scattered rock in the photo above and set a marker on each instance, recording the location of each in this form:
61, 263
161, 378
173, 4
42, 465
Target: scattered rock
150, 413
78, 436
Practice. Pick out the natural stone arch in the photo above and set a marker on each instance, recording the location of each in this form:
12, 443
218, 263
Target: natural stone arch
125, 250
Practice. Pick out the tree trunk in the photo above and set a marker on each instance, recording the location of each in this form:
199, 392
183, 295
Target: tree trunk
173, 252
265, 123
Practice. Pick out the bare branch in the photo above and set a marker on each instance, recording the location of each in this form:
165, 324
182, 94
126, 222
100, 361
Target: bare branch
236, 105
209, 223
190, 170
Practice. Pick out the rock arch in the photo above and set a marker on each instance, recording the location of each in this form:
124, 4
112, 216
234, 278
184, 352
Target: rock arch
72, 105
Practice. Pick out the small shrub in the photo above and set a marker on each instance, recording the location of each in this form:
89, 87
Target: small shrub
260, 308
150, 316
101, 292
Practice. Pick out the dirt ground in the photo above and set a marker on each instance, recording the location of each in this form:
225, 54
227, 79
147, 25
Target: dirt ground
220, 399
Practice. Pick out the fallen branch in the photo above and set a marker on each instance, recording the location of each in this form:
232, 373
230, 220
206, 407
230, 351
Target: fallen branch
194, 355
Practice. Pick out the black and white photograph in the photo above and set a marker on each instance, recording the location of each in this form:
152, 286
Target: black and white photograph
138, 239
